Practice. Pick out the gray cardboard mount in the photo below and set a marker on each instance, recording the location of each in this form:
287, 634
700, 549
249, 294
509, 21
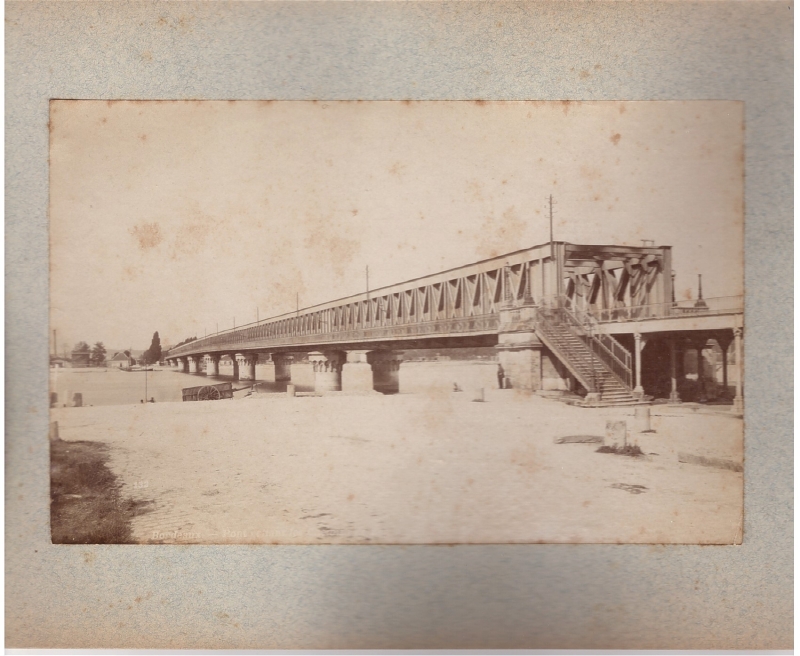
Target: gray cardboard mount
533, 596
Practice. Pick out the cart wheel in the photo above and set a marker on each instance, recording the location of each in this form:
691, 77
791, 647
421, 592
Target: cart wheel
208, 393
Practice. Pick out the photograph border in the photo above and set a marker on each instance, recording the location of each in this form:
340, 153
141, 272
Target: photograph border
427, 597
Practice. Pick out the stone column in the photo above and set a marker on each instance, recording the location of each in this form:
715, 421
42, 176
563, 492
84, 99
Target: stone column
212, 364
638, 345
738, 400
194, 364
724, 369
247, 366
386, 371
673, 373
700, 346
724, 345
327, 370
357, 372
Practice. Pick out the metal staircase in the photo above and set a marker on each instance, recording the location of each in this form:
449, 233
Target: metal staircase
598, 361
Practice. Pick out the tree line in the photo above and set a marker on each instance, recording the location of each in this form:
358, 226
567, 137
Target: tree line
98, 353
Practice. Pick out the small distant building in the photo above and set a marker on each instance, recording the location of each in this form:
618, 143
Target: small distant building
120, 361
59, 363
81, 358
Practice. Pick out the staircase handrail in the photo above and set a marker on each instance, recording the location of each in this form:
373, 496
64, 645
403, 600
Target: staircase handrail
543, 321
614, 354
584, 319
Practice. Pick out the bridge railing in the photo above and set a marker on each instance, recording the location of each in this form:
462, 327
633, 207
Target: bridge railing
236, 339
710, 306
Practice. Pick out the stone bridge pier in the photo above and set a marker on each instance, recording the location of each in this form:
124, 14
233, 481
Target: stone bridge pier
212, 364
519, 347
194, 364
327, 370
246, 366
356, 371
386, 371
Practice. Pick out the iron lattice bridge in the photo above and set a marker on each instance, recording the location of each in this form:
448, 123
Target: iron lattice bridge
292, 334
463, 302
617, 283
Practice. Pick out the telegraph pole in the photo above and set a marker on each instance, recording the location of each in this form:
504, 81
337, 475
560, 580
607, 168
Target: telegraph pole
368, 282
552, 251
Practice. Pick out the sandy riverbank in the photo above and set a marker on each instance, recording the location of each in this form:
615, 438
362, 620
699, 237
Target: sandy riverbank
413, 469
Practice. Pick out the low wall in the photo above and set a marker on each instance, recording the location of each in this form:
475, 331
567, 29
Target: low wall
421, 377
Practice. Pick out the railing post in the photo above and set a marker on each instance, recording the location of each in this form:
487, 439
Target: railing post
638, 391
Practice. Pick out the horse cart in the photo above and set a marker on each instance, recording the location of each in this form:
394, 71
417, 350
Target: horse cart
208, 392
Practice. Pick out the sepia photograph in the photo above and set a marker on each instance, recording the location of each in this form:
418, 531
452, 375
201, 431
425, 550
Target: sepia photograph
393, 322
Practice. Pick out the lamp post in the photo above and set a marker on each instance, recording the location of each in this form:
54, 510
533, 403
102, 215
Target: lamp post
700, 304
672, 275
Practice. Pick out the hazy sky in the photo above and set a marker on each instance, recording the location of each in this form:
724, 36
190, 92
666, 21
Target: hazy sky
180, 216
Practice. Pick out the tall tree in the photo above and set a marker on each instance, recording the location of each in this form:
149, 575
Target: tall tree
98, 354
153, 354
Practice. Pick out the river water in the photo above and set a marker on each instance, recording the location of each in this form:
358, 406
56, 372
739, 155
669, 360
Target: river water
116, 387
